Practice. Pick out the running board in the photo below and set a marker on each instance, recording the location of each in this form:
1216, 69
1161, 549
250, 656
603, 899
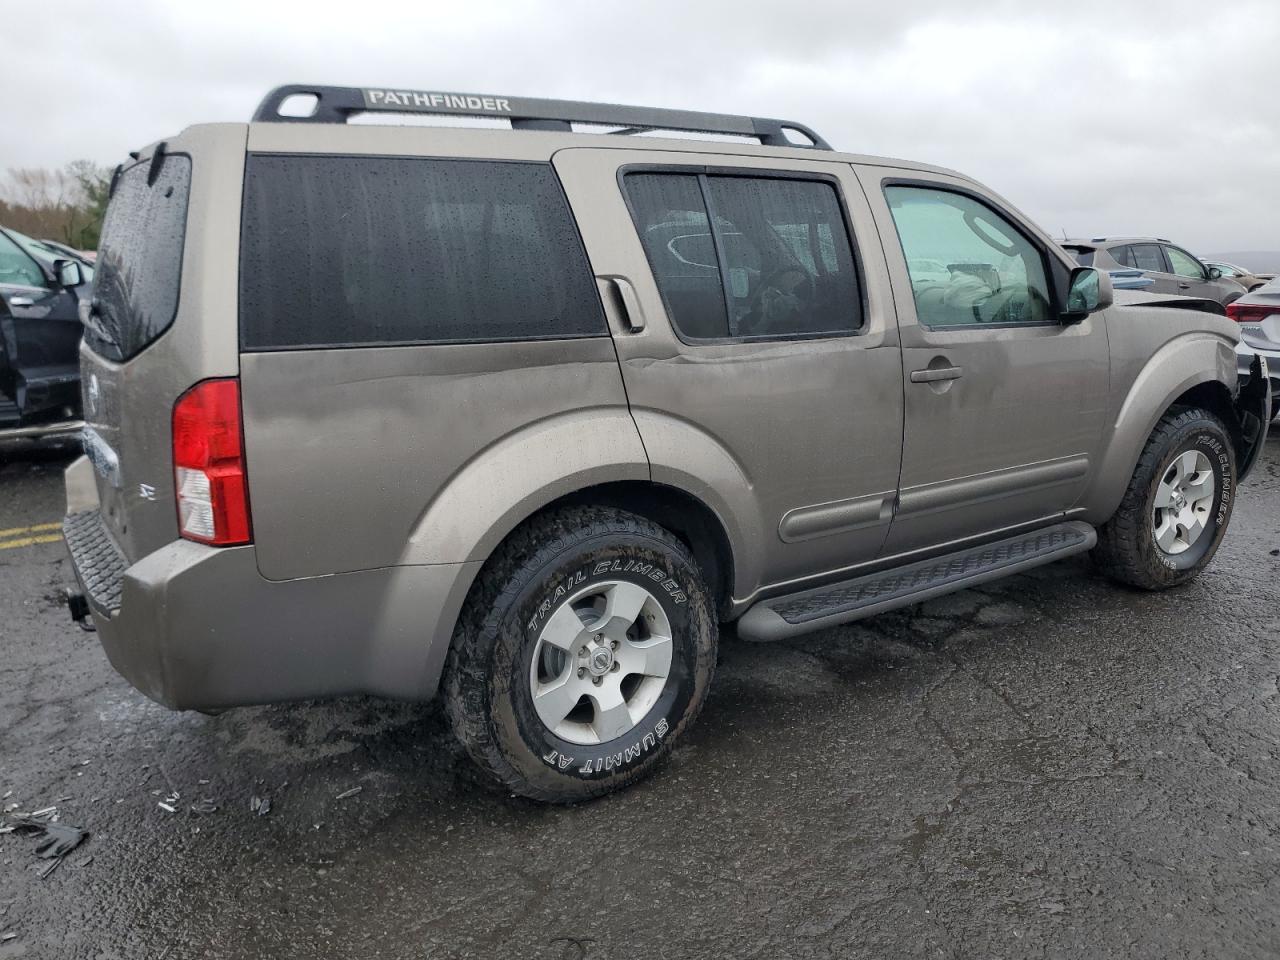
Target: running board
864, 596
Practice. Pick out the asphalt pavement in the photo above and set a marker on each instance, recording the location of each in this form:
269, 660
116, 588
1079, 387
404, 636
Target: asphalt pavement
1050, 766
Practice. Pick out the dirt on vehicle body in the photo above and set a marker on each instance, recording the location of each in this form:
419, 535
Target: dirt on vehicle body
524, 415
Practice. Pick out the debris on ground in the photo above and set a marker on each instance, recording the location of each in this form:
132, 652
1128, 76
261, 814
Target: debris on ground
6, 937
166, 807
56, 840
260, 805
348, 793
204, 807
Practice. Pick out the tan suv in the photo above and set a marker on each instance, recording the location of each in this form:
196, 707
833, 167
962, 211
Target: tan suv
525, 415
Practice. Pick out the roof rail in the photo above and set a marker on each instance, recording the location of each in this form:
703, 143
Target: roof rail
336, 104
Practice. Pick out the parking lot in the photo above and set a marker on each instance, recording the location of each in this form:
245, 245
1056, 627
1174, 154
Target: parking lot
1049, 766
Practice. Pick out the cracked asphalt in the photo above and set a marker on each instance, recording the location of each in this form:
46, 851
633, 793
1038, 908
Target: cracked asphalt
1051, 766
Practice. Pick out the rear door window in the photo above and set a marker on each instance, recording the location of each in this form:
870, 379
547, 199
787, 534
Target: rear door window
743, 257
139, 266
1147, 256
355, 251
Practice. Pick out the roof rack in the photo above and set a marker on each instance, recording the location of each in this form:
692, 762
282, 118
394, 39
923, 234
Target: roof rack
336, 104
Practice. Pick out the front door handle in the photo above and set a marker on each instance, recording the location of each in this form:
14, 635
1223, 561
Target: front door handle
21, 301
934, 374
1183, 285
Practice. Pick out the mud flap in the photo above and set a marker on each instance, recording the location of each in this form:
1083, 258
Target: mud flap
1253, 408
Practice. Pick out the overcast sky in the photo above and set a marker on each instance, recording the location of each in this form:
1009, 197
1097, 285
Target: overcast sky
1093, 117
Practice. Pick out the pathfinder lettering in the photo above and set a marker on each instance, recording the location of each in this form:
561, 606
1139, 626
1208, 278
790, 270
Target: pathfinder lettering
450, 101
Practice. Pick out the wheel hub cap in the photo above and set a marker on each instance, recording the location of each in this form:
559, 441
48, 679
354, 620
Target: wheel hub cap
601, 661
1183, 501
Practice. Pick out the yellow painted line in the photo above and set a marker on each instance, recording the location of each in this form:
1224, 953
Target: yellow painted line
29, 541
14, 531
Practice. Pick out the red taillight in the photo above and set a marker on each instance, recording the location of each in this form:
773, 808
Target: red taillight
1251, 312
208, 464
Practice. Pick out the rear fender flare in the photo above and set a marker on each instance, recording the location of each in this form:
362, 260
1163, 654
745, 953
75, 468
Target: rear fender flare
519, 474
685, 456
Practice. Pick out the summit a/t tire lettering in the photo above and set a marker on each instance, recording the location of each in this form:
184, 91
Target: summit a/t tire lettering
582, 654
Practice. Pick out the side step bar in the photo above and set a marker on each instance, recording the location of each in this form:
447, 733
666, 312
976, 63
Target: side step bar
809, 610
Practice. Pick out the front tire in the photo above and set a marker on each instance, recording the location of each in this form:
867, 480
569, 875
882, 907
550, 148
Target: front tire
1177, 505
584, 651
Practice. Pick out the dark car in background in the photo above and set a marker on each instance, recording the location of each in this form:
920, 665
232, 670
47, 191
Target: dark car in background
1171, 269
40, 292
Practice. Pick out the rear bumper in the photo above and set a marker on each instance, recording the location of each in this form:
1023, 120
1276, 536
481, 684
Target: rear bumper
197, 627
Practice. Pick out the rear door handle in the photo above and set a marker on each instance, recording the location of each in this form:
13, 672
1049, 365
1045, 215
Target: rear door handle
934, 374
626, 301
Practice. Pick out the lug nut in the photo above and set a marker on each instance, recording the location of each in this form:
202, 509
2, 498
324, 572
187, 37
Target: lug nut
597, 680
614, 644
616, 667
582, 671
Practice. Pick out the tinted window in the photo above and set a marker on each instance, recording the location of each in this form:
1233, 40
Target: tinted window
1184, 264
671, 217
993, 273
1122, 255
778, 264
371, 250
1083, 255
1147, 256
139, 265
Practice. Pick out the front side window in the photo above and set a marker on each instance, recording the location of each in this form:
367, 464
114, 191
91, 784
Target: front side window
16, 267
993, 274
1184, 264
348, 251
739, 257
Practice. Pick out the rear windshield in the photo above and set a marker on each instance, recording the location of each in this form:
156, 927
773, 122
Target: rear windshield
362, 251
139, 266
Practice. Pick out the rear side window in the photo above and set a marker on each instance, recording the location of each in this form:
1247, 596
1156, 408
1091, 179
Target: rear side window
351, 251
139, 265
739, 257
1147, 256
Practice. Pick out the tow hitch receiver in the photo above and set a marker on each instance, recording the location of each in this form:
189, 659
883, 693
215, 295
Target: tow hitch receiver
79, 607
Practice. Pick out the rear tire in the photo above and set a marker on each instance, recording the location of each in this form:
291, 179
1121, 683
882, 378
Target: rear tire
583, 653
1177, 506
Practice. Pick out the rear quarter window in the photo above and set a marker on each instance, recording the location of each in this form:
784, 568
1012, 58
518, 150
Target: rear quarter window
352, 251
139, 266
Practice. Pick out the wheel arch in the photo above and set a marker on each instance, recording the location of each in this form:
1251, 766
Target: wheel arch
1191, 370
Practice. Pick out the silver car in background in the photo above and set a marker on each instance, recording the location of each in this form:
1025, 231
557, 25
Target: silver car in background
1258, 313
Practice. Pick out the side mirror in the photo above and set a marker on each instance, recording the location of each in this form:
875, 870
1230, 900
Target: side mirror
1088, 292
1215, 273
68, 273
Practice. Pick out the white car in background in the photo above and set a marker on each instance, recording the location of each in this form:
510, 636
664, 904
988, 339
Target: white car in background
1258, 313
